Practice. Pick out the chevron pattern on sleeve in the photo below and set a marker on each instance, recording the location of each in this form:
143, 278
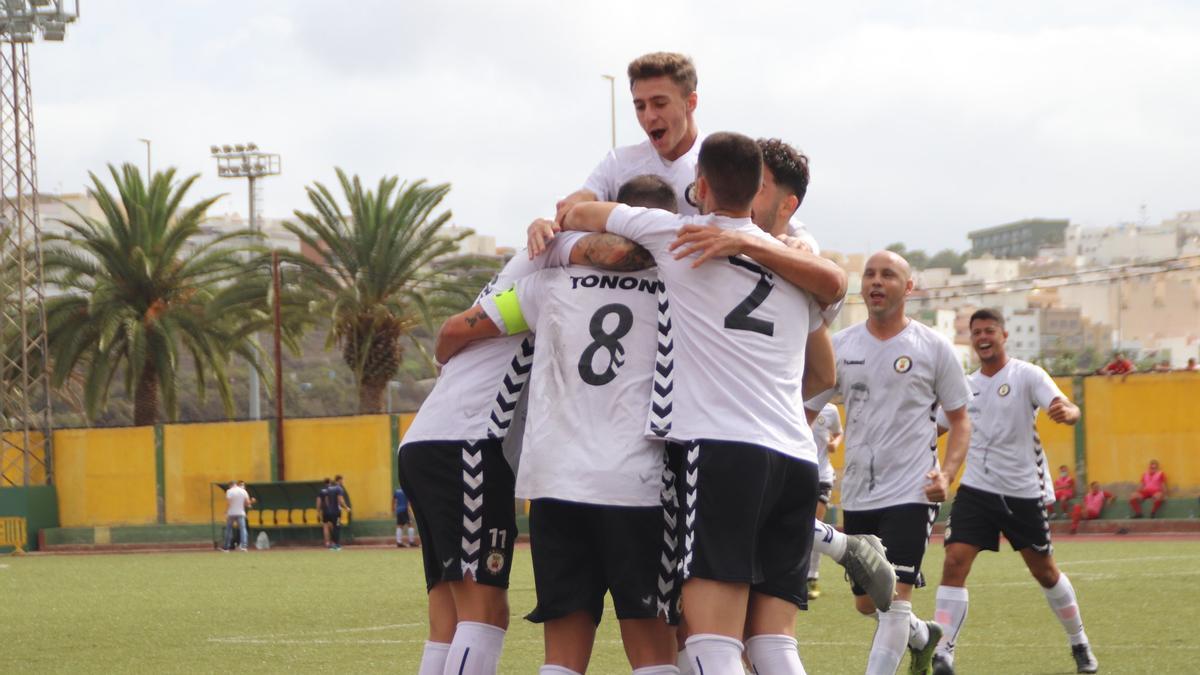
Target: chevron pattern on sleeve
664, 370
510, 390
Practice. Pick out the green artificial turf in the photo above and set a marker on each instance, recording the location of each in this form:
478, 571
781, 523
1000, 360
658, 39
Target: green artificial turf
363, 611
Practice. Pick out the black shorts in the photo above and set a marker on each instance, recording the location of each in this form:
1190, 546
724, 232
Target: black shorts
745, 515
402, 518
334, 519
904, 530
978, 517
582, 551
824, 492
461, 493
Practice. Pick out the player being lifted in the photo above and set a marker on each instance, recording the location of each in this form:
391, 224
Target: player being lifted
1003, 488
452, 468
892, 373
594, 478
750, 470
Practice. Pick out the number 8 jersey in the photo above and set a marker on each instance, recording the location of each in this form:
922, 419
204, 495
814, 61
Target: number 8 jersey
590, 386
739, 336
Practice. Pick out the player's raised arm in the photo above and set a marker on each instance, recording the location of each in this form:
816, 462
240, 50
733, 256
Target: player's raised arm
461, 330
610, 252
588, 216
576, 197
820, 366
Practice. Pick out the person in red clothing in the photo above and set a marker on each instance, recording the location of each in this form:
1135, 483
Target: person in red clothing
1118, 366
1064, 490
1094, 502
1154, 486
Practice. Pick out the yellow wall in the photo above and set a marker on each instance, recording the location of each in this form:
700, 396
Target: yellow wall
12, 460
197, 455
105, 476
1058, 440
1131, 420
359, 448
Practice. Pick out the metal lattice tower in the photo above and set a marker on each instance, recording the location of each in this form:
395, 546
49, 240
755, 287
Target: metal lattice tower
25, 451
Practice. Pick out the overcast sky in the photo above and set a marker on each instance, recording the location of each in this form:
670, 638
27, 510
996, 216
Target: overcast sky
923, 120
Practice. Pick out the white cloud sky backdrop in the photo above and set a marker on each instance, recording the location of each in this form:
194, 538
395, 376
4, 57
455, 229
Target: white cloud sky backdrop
923, 120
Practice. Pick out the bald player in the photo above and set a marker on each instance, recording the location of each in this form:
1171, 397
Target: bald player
893, 373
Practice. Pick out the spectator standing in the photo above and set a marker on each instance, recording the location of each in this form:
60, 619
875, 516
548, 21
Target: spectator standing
331, 501
403, 518
1154, 486
237, 500
1094, 502
1064, 490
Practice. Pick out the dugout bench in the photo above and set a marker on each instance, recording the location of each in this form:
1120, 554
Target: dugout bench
285, 510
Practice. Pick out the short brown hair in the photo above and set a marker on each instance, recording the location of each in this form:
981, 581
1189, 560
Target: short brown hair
788, 165
732, 165
986, 314
649, 191
678, 67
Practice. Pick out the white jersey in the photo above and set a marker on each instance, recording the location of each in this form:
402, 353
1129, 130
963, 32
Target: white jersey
589, 394
827, 425
738, 341
235, 500
1006, 455
891, 389
476, 394
631, 161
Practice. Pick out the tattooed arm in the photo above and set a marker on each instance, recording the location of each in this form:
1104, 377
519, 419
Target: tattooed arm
611, 252
461, 330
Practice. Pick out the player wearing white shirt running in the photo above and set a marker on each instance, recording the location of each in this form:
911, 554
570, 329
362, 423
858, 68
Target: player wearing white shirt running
892, 373
1003, 488
593, 475
741, 328
453, 470
663, 86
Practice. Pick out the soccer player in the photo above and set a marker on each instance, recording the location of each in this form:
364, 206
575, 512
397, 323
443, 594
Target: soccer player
403, 520
1094, 501
460, 485
749, 472
663, 85
592, 475
892, 373
1003, 487
1064, 489
785, 182
1154, 486
827, 432
331, 501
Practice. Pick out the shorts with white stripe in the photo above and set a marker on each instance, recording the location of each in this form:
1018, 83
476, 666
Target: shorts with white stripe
904, 530
978, 517
745, 515
462, 497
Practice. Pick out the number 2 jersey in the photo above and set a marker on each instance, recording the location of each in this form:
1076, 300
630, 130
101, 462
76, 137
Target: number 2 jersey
475, 396
589, 393
739, 335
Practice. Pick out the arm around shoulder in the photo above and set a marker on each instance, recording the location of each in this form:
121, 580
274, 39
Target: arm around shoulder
461, 330
819, 276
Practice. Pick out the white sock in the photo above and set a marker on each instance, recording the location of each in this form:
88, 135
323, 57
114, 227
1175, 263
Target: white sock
951, 613
684, 664
412, 536
827, 540
548, 669
891, 637
918, 632
664, 669
771, 654
814, 563
715, 654
1061, 597
399, 534
475, 650
433, 659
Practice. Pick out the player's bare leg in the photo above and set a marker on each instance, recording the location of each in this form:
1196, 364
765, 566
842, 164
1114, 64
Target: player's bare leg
482, 621
568, 641
770, 636
442, 622
648, 642
716, 616
1061, 596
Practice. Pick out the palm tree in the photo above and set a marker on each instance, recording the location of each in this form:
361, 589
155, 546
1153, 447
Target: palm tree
384, 270
135, 287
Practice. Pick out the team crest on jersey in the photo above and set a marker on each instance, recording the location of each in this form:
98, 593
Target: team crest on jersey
495, 561
1004, 389
902, 364
689, 194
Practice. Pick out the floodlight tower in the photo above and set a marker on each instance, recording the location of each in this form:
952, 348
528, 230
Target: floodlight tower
25, 452
247, 161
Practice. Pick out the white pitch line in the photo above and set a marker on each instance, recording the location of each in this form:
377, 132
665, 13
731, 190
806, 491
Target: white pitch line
271, 637
1101, 647
1137, 559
